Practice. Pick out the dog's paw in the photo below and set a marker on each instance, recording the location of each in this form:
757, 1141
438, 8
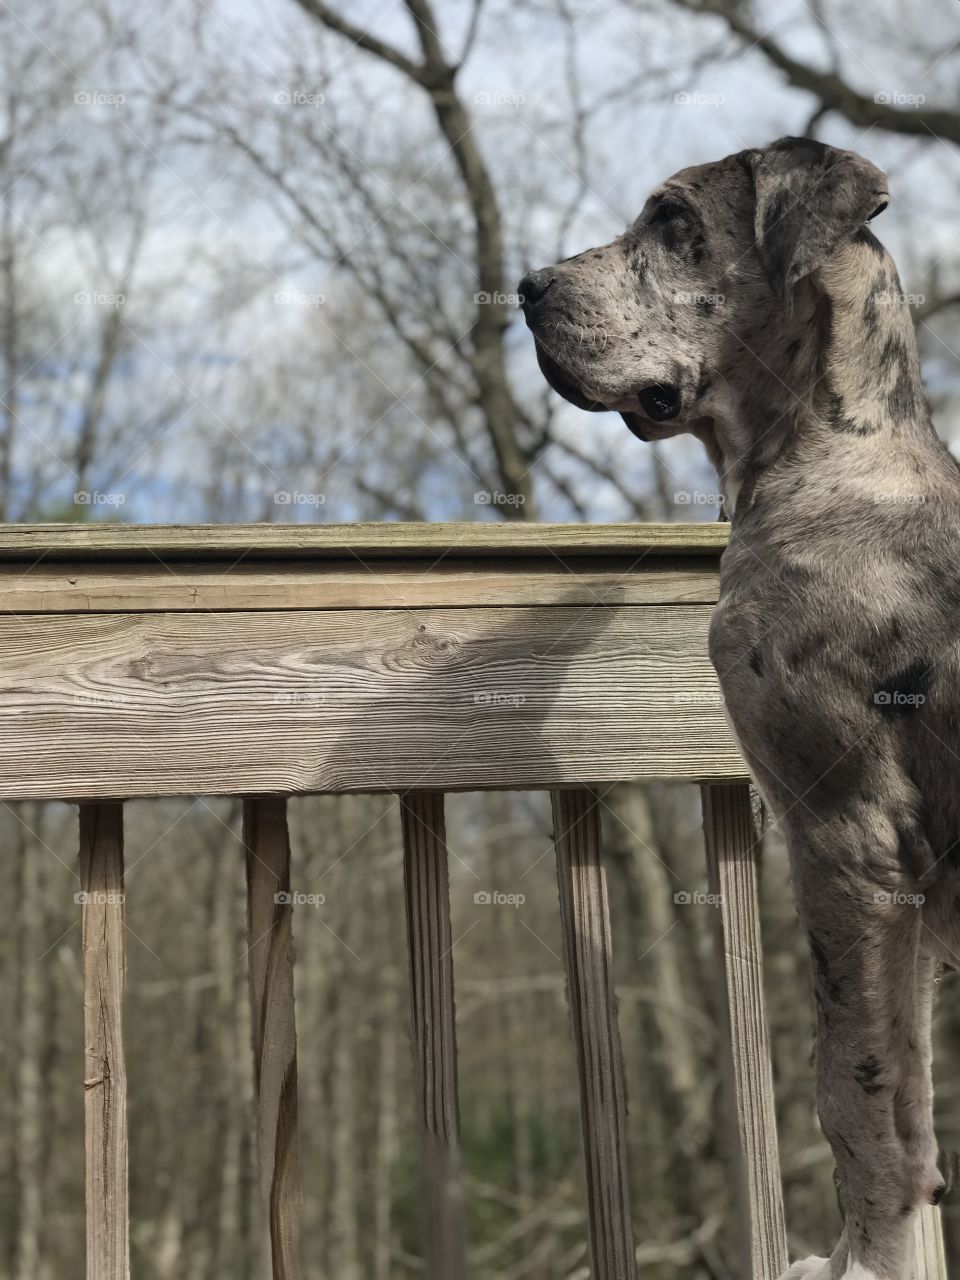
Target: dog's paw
809, 1269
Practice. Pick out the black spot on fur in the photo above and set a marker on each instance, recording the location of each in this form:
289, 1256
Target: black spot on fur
906, 399
825, 983
808, 648
894, 351
932, 579
774, 213
756, 662
792, 349
871, 304
866, 1073
838, 420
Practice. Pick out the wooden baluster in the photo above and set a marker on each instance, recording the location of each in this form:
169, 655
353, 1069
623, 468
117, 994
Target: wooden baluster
731, 847
270, 934
433, 1022
105, 1078
931, 1263
593, 1015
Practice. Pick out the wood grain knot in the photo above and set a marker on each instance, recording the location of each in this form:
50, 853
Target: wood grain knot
424, 650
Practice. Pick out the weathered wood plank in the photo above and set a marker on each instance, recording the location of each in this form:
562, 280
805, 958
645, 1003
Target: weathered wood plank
117, 706
433, 1024
270, 956
730, 845
931, 1263
372, 584
144, 542
104, 1073
593, 1014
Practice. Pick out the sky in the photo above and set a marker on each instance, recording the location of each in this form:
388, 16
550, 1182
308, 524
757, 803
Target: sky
211, 220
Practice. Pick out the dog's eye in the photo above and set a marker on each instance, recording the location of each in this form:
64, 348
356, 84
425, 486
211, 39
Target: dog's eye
668, 211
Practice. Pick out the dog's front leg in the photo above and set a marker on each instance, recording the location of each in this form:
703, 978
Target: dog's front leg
864, 940
913, 1103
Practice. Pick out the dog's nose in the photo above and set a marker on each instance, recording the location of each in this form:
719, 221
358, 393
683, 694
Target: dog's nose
534, 285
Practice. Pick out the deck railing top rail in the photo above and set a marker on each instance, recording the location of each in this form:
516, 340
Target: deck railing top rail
19, 542
272, 659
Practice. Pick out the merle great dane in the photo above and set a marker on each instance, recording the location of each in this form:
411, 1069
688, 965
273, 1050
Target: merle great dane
751, 306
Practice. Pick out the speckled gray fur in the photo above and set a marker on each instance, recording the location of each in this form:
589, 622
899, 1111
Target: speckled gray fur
752, 303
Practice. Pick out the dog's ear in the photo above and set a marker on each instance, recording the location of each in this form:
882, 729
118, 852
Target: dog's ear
809, 199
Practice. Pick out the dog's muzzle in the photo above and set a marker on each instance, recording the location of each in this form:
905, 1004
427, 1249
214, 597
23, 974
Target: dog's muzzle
658, 401
533, 288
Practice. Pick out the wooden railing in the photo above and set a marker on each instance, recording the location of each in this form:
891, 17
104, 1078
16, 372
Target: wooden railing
263, 661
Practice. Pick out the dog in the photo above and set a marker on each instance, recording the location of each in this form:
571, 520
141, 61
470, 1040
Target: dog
752, 306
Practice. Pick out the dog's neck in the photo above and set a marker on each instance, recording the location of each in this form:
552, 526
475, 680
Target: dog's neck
837, 400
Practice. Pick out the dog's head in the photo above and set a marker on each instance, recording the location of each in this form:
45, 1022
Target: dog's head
640, 325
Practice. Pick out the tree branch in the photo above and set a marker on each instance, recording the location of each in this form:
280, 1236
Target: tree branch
832, 90
363, 39
609, 473
437, 76
471, 36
